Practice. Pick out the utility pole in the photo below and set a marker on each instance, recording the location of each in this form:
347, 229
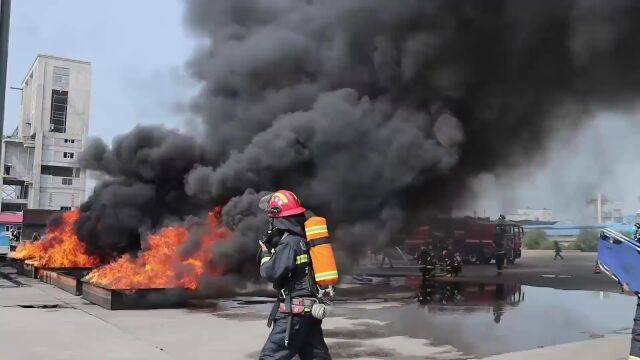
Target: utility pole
5, 16
599, 201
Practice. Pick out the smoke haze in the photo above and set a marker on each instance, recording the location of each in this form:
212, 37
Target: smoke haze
598, 158
373, 112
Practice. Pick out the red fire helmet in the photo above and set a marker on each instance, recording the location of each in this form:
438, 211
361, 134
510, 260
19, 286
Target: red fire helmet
281, 203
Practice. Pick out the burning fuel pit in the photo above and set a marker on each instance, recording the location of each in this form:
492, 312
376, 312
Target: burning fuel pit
67, 279
136, 299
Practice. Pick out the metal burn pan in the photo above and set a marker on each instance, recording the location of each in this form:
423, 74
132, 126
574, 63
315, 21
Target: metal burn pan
30, 270
135, 299
33, 271
67, 279
19, 265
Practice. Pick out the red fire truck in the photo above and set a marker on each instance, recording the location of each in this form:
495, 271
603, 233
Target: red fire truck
471, 237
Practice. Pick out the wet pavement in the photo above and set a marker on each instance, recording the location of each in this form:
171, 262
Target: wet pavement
480, 321
477, 320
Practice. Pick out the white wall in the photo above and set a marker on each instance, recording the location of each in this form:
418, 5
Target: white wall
20, 158
56, 199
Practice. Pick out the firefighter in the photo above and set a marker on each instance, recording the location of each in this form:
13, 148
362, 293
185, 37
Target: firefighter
427, 261
498, 242
558, 250
14, 240
295, 319
634, 352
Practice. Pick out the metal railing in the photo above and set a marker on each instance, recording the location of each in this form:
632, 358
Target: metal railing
614, 235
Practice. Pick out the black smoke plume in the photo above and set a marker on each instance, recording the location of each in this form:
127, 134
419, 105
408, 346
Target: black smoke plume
374, 111
144, 188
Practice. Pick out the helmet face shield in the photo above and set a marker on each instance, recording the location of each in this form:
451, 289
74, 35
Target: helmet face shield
263, 204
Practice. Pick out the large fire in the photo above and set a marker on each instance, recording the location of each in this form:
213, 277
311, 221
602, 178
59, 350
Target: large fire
159, 265
60, 248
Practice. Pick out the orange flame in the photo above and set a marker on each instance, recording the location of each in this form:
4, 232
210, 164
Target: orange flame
159, 264
60, 248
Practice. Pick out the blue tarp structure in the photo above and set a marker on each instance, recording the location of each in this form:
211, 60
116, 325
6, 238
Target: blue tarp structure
563, 230
620, 258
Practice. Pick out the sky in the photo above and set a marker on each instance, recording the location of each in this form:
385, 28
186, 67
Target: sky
137, 51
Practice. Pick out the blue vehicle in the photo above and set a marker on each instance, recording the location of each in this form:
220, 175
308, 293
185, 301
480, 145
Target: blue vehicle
8, 221
619, 257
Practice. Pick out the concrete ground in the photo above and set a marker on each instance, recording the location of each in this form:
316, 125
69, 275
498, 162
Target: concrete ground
38, 320
79, 330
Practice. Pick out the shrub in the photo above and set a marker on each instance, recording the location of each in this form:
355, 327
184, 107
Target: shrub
547, 245
536, 239
587, 241
572, 246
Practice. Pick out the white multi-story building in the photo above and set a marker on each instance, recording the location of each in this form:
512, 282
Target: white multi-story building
529, 214
605, 210
40, 157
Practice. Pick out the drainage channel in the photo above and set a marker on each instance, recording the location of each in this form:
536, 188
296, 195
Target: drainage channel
39, 306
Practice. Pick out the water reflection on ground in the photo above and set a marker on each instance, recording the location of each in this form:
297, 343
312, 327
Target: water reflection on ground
466, 319
487, 319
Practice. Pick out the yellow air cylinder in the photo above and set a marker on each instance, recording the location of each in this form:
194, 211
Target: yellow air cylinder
321, 251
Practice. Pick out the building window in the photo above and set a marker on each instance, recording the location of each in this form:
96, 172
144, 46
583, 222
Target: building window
13, 206
59, 99
76, 172
7, 169
19, 227
7, 228
65, 208
67, 155
61, 171
67, 181
58, 119
69, 141
23, 192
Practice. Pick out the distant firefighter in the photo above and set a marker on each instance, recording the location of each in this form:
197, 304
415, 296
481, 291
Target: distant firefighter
558, 250
498, 242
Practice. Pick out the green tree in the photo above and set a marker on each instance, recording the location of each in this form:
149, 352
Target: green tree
536, 239
587, 241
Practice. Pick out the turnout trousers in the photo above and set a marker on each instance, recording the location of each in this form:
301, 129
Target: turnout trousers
305, 340
634, 353
499, 260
